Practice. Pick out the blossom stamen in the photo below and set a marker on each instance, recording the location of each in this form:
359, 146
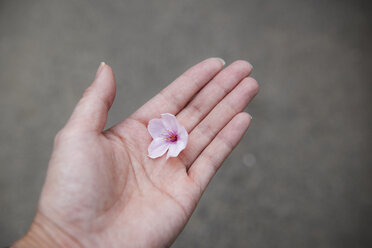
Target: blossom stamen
171, 137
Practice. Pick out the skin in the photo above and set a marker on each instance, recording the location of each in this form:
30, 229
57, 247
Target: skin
102, 190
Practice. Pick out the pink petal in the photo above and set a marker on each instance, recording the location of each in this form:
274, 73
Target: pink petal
177, 147
173, 151
156, 128
170, 122
183, 136
157, 148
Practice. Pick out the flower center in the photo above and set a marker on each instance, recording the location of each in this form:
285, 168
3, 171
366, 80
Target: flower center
171, 137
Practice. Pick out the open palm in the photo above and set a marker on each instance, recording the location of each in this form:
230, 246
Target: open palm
102, 190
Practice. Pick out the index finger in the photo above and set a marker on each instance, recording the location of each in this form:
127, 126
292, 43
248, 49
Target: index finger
175, 96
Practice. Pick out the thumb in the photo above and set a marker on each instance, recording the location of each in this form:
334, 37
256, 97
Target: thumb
90, 114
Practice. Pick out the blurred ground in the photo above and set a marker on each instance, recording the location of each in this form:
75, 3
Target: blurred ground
301, 177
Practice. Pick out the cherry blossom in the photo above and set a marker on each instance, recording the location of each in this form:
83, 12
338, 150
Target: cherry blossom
167, 134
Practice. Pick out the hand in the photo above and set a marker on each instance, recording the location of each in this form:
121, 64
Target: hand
102, 190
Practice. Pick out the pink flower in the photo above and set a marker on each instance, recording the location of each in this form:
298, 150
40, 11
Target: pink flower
167, 134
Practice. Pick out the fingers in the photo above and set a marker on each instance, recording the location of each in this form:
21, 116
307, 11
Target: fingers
217, 151
212, 93
90, 114
205, 132
174, 97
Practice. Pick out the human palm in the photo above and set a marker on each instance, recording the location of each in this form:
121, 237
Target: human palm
102, 190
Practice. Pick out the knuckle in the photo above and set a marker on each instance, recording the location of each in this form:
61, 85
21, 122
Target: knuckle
206, 130
59, 136
210, 159
195, 109
63, 135
226, 142
224, 89
87, 92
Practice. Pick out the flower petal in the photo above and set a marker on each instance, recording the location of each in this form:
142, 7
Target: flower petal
156, 128
183, 136
157, 148
177, 147
174, 150
170, 122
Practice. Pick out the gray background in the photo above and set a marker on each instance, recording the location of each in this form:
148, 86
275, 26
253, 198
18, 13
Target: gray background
302, 175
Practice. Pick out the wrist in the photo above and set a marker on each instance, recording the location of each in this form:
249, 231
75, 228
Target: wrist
45, 233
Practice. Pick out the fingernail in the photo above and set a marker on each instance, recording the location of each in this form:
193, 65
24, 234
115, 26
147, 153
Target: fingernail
222, 61
99, 70
250, 65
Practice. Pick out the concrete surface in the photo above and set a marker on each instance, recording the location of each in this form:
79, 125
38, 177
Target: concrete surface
301, 177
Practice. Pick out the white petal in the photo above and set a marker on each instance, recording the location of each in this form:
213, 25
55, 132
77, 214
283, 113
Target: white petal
170, 122
157, 148
156, 128
175, 149
183, 136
